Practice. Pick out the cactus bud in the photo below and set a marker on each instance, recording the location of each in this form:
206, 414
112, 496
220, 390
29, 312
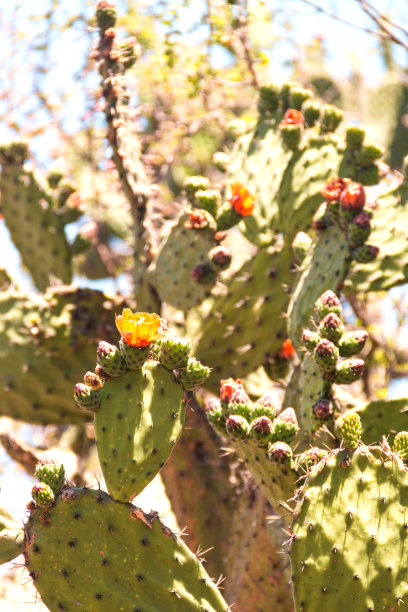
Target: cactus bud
268, 98
42, 495
310, 339
262, 429
194, 374
350, 429
193, 184
400, 446
311, 113
348, 371
328, 302
280, 452
227, 388
86, 397
353, 197
354, 138
105, 14
352, 343
359, 229
331, 327
285, 426
110, 359
291, 135
310, 457
265, 406
365, 253
174, 352
199, 219
237, 426
51, 473
221, 160
208, 199
241, 404
220, 257
368, 154
214, 413
297, 96
323, 410
326, 354
330, 119
92, 380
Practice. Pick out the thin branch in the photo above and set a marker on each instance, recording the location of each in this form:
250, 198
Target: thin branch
244, 39
380, 20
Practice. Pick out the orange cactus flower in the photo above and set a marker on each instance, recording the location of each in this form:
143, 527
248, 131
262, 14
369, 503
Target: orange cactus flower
140, 328
286, 351
228, 386
334, 188
292, 117
242, 200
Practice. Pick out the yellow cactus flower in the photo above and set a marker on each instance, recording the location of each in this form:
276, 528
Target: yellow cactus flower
140, 328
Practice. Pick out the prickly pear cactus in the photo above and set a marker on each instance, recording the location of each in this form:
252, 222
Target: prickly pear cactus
11, 537
91, 551
349, 531
31, 215
45, 340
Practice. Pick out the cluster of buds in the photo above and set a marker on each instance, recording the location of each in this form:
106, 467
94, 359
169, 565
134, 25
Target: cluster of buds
52, 479
238, 416
344, 204
328, 344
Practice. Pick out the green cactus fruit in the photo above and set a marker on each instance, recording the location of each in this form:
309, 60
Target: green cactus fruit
310, 339
220, 258
365, 253
262, 429
326, 355
268, 98
11, 537
43, 495
291, 136
323, 410
354, 137
309, 458
237, 426
228, 217
298, 96
174, 352
241, 404
134, 356
265, 406
368, 154
331, 118
93, 380
352, 343
400, 446
331, 328
140, 419
311, 112
98, 554
105, 14
359, 229
51, 473
348, 549
350, 429
285, 426
280, 452
348, 371
300, 246
86, 397
208, 199
328, 302
215, 413
110, 359
193, 184
194, 374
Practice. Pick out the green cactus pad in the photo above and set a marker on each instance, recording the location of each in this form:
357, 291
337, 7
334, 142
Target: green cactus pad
379, 417
139, 421
236, 337
349, 533
11, 537
98, 554
45, 340
35, 227
171, 272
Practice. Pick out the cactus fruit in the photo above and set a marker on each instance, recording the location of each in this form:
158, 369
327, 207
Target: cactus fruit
350, 429
193, 374
110, 359
103, 555
174, 352
105, 14
352, 343
331, 328
354, 137
51, 473
237, 426
43, 495
352, 507
86, 397
326, 355
328, 303
400, 446
348, 371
